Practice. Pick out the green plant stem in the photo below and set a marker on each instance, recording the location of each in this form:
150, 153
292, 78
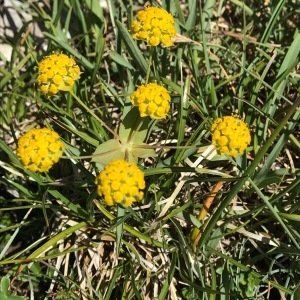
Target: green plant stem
120, 214
152, 50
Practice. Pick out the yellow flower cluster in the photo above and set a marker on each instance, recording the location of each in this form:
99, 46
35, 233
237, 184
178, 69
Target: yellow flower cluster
152, 100
154, 25
40, 149
57, 72
230, 135
120, 182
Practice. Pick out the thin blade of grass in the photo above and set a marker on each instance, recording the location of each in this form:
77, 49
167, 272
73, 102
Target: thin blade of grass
132, 48
166, 286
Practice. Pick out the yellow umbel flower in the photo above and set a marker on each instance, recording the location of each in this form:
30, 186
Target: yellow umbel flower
57, 72
154, 25
40, 149
120, 182
152, 100
230, 135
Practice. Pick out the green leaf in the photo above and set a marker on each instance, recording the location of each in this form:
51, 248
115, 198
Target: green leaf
293, 217
53, 242
119, 59
4, 290
121, 214
134, 129
297, 292
169, 278
108, 151
14, 72
290, 61
242, 4
132, 48
73, 128
272, 22
4, 285
143, 151
75, 208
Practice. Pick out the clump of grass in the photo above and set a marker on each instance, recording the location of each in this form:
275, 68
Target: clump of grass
211, 225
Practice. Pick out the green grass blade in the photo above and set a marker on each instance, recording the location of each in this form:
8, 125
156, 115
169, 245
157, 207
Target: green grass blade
272, 22
132, 48
164, 291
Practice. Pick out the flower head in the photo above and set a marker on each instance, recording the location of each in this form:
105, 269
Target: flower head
40, 149
154, 25
120, 182
152, 100
57, 72
230, 135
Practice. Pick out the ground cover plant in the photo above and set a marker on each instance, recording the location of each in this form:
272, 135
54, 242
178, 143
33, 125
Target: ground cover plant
149, 150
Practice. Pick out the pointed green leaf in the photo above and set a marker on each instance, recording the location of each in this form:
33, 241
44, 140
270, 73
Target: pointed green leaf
4, 284
130, 157
121, 214
297, 291
287, 216
143, 151
119, 59
132, 48
134, 128
108, 151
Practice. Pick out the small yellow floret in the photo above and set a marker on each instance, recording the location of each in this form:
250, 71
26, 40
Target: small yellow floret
152, 100
154, 25
120, 182
40, 149
57, 72
230, 135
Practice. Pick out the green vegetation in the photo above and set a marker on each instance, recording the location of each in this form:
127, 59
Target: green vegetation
209, 226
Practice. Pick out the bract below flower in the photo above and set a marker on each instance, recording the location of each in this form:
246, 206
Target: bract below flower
230, 135
154, 25
40, 149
